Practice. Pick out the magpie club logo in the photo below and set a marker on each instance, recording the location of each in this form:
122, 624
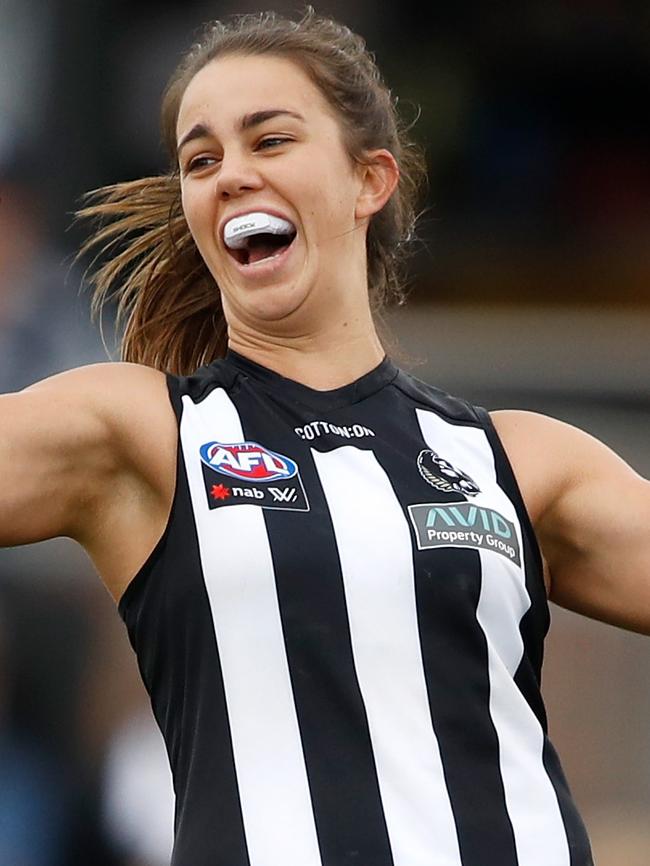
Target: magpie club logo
439, 473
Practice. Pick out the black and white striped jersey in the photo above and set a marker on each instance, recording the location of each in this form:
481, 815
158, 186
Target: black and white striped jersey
341, 632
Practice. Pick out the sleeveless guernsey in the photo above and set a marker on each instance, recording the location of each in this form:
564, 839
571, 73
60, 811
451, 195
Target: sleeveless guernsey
341, 632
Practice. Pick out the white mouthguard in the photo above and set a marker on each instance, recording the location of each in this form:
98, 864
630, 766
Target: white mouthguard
242, 227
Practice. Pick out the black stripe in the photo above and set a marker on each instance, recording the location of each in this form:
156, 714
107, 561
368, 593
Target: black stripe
454, 650
576, 831
167, 613
535, 623
534, 627
334, 729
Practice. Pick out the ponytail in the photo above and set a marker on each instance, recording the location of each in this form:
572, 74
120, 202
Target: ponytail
168, 305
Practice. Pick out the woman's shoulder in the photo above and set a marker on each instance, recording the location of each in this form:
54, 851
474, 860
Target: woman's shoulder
128, 401
548, 455
105, 387
129, 407
97, 376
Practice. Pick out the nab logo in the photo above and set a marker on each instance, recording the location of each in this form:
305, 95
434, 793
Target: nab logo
248, 461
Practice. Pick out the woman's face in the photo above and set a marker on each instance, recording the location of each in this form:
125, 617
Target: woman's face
256, 137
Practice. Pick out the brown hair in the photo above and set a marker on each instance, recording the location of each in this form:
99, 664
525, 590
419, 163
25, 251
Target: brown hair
168, 305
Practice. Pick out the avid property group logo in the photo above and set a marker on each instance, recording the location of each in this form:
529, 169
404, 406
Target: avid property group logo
248, 473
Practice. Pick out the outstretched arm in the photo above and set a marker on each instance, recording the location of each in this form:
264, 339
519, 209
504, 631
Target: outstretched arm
54, 440
591, 513
90, 454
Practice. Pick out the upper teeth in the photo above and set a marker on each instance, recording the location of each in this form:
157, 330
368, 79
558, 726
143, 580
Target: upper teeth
239, 228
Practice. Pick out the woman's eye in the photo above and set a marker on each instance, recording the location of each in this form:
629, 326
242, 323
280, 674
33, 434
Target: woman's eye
199, 162
272, 141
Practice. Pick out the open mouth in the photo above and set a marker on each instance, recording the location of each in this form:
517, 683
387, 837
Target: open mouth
257, 237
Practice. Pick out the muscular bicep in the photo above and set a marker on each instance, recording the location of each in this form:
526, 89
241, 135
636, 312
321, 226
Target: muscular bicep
591, 512
53, 449
597, 542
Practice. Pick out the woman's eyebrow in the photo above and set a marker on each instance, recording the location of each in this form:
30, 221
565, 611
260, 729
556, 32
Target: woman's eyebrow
248, 121
257, 117
199, 130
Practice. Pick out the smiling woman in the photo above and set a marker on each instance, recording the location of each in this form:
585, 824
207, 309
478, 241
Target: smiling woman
251, 167
221, 115
334, 576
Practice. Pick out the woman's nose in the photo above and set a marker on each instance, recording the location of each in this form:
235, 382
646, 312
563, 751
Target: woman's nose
237, 175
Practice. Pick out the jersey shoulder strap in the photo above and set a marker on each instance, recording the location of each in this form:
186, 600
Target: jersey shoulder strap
453, 409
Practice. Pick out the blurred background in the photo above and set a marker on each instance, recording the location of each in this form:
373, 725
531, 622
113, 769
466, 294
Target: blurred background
531, 288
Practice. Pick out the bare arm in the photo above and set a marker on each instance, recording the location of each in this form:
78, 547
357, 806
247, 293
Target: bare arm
591, 512
89, 454
54, 439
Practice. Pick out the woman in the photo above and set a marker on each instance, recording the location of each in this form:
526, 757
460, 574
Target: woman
327, 568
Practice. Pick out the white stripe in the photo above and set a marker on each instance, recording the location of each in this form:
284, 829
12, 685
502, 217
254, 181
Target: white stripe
539, 832
375, 550
239, 577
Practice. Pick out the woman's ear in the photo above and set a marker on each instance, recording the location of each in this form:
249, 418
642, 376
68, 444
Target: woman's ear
379, 177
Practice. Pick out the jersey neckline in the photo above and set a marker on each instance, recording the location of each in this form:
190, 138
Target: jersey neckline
346, 395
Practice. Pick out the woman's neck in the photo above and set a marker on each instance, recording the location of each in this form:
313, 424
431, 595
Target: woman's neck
319, 362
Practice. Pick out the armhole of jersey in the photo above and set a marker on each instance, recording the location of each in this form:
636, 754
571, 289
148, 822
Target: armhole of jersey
505, 467
140, 578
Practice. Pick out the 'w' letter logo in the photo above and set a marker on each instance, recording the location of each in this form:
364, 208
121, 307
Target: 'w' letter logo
286, 495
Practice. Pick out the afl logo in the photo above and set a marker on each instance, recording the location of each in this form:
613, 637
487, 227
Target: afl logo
439, 473
247, 461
